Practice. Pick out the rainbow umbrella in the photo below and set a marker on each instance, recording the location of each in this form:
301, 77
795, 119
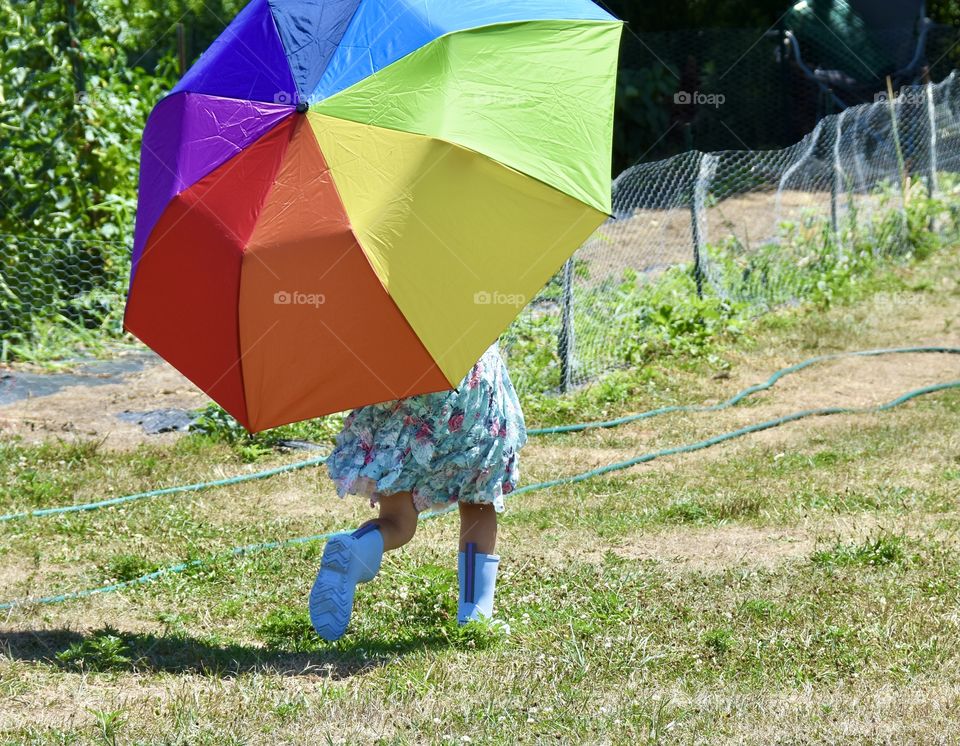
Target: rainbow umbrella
345, 202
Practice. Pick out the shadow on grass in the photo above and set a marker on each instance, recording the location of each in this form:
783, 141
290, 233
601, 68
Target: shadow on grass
110, 650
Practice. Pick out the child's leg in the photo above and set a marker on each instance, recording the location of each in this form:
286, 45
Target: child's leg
477, 565
478, 525
397, 521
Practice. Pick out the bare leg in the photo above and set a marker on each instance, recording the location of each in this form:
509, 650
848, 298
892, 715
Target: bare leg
478, 525
397, 521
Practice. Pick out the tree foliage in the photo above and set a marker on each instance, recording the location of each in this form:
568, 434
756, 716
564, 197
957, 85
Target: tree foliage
71, 112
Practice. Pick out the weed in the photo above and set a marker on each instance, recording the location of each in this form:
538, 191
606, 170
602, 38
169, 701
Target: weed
104, 651
880, 552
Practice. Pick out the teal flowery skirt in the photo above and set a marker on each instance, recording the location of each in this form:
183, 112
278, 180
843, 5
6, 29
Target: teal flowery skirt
447, 447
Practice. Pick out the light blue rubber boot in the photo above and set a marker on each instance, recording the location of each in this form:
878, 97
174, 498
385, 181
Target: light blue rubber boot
348, 559
478, 583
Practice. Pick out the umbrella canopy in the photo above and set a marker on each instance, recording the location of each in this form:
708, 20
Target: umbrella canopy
345, 202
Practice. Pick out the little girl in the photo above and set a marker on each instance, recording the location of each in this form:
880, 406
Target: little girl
421, 453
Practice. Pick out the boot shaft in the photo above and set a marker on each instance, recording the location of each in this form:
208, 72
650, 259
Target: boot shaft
478, 581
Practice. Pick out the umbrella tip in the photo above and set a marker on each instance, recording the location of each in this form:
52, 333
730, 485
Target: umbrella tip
303, 107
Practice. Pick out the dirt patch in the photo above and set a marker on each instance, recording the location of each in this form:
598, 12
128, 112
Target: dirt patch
855, 382
90, 413
717, 549
710, 550
865, 382
14, 570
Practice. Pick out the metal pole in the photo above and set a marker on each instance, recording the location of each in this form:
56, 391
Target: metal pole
834, 210
933, 160
836, 184
567, 340
696, 209
901, 163
697, 260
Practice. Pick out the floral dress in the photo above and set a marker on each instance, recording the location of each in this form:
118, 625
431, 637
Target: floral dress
446, 447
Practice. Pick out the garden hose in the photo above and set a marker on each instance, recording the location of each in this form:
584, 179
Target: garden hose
44, 512
580, 477
733, 401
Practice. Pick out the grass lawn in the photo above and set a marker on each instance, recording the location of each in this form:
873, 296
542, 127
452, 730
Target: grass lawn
800, 585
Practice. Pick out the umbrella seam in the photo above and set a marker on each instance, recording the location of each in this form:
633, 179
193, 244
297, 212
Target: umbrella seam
243, 259
302, 95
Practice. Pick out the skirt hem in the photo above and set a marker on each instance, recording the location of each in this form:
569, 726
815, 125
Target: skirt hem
366, 488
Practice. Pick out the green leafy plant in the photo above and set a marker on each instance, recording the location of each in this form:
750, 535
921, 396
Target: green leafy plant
216, 424
109, 723
879, 552
124, 567
104, 651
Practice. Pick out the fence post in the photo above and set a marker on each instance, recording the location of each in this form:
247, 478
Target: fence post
933, 163
567, 341
834, 217
697, 199
901, 162
838, 179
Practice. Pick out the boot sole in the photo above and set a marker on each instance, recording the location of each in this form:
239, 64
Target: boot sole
331, 598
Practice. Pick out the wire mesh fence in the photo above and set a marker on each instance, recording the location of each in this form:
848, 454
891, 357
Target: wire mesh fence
757, 228
61, 287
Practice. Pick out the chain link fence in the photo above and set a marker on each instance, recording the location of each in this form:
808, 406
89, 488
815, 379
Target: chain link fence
757, 228
62, 296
